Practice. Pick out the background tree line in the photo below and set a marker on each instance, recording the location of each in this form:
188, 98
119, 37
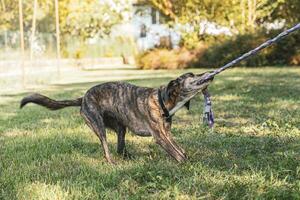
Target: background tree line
81, 18
249, 21
78, 20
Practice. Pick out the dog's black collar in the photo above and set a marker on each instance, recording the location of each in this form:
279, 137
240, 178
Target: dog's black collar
162, 105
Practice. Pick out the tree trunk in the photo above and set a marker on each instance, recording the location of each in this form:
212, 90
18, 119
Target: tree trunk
5, 31
57, 38
242, 4
22, 41
252, 14
33, 29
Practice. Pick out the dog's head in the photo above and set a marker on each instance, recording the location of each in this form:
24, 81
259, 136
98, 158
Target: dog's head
178, 92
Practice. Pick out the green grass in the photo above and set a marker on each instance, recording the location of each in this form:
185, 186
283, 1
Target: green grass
252, 153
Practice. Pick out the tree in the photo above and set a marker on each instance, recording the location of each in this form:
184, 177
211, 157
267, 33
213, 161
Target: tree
32, 39
165, 6
57, 37
288, 11
258, 12
89, 18
3, 9
8, 15
240, 16
22, 40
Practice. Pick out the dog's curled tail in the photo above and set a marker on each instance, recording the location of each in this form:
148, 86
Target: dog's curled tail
49, 103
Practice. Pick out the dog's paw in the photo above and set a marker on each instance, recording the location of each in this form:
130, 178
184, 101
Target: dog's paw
181, 158
111, 161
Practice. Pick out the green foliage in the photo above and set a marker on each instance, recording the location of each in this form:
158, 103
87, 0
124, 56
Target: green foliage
289, 11
9, 15
240, 16
102, 47
286, 52
252, 153
190, 40
87, 19
219, 50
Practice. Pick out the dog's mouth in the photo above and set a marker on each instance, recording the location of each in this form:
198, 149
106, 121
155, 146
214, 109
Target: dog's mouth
192, 86
204, 78
200, 82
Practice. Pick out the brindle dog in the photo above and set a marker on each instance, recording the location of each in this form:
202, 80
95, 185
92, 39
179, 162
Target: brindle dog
144, 111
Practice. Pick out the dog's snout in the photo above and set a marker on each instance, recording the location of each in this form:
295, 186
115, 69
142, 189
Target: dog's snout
205, 79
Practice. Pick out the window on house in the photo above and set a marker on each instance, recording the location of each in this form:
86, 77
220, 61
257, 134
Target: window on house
153, 16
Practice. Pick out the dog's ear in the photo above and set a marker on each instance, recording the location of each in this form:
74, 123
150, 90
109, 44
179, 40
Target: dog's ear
171, 87
187, 105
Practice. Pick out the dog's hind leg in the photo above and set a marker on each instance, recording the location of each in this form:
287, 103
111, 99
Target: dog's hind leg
92, 116
120, 130
121, 149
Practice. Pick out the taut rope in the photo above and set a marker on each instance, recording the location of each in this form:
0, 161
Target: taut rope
208, 117
254, 51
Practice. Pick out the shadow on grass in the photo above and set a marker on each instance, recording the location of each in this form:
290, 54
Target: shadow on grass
73, 162
227, 163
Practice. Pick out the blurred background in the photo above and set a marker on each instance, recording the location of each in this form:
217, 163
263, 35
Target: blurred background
45, 41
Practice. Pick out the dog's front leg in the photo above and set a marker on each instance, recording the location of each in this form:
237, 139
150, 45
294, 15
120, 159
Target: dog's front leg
163, 137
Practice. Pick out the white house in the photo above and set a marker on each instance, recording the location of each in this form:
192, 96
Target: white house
148, 27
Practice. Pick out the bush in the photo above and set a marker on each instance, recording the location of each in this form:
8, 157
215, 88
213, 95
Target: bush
168, 59
221, 50
286, 52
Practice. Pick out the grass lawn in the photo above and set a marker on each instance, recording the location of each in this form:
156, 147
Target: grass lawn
252, 153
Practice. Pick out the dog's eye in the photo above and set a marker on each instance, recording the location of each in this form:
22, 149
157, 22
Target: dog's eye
189, 74
186, 75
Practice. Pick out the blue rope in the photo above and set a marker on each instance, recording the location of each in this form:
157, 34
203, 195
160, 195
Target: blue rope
208, 116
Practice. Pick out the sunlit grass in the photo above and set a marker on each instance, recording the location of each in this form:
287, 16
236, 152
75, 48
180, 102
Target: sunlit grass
253, 151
